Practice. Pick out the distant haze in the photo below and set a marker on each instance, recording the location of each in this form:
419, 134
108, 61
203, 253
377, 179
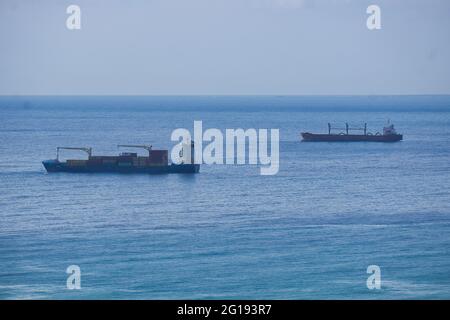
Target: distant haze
163, 47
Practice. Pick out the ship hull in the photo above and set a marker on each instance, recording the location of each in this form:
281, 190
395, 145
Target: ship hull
312, 137
57, 166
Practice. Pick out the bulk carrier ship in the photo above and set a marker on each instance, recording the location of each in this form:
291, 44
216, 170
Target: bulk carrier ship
389, 135
127, 162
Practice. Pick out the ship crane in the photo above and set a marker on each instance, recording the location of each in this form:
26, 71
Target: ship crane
87, 150
148, 148
347, 128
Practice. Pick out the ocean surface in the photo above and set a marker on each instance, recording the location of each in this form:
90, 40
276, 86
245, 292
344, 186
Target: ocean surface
309, 232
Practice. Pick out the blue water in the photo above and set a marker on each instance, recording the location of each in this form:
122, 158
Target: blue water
309, 232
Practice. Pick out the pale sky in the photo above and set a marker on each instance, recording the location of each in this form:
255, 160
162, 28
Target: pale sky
162, 47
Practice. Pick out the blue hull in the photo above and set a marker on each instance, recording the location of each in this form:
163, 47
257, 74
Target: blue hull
57, 166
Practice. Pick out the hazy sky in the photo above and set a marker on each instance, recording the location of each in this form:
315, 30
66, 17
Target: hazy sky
224, 47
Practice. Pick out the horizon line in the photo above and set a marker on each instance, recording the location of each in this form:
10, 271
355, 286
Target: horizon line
226, 95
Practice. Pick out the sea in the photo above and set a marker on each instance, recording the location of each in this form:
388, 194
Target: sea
312, 231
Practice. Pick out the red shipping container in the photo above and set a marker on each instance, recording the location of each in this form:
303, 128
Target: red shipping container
159, 157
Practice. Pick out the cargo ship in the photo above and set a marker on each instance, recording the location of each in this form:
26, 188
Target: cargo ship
389, 135
126, 162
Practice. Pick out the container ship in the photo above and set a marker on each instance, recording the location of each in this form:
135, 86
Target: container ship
389, 135
126, 162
